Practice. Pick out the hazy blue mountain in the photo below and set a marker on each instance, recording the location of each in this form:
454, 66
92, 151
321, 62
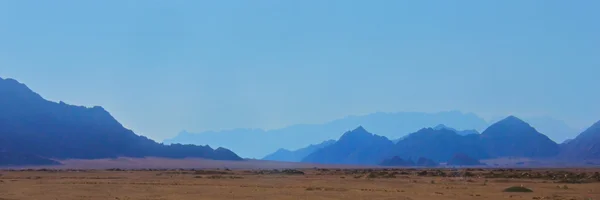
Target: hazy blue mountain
297, 155
391, 125
516, 138
357, 147
31, 125
461, 132
438, 144
556, 130
584, 146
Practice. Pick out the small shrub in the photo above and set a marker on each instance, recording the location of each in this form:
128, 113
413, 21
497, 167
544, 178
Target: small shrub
215, 177
517, 189
292, 172
209, 172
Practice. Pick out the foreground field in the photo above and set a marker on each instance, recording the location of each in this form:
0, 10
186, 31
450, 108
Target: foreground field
299, 184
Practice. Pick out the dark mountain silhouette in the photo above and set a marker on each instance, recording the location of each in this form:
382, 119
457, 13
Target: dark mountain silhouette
31, 125
19, 159
584, 146
463, 160
512, 137
354, 147
438, 145
297, 155
391, 125
463, 132
397, 161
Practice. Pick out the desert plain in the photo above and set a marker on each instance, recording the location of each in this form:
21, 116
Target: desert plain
250, 181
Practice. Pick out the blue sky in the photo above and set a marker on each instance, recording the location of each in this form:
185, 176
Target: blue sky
163, 66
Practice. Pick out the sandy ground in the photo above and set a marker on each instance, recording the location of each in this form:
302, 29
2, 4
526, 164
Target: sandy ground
130, 178
268, 184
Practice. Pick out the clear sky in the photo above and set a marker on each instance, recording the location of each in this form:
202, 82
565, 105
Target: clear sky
163, 66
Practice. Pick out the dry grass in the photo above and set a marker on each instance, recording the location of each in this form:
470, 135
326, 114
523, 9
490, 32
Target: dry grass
293, 184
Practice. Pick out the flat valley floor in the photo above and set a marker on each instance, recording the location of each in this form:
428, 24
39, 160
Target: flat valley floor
310, 184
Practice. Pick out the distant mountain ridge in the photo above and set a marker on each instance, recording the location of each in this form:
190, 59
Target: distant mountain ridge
391, 125
31, 125
296, 155
462, 132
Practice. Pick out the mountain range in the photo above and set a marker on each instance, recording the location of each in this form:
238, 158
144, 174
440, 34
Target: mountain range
391, 125
38, 128
509, 137
35, 131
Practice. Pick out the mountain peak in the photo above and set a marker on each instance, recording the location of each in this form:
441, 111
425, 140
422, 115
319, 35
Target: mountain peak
513, 121
440, 126
514, 137
14, 85
443, 127
354, 147
359, 129
357, 132
510, 124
